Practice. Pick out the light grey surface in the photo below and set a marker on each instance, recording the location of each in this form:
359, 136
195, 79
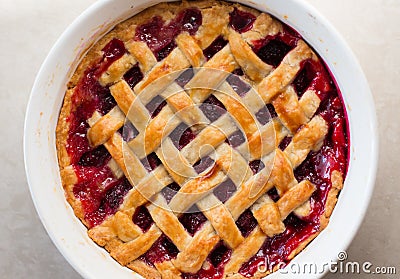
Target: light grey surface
29, 28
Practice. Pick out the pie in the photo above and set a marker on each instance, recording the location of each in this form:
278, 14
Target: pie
202, 139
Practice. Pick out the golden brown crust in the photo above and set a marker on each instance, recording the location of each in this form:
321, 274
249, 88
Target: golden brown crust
143, 54
117, 69
123, 94
289, 111
191, 49
133, 249
191, 259
337, 186
118, 234
174, 62
285, 73
251, 64
239, 112
221, 220
103, 129
168, 222
270, 220
168, 270
144, 269
248, 248
67, 173
63, 129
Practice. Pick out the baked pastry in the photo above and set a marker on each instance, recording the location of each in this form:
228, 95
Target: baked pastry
202, 139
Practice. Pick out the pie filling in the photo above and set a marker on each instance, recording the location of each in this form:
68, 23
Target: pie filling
101, 193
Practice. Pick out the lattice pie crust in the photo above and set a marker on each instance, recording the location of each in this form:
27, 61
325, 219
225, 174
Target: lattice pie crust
272, 85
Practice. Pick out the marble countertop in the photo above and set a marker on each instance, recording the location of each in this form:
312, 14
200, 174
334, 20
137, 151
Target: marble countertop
28, 30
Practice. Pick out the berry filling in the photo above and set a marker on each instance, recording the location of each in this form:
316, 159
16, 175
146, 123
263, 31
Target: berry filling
162, 250
189, 20
113, 51
215, 47
182, 136
241, 21
160, 36
170, 191
87, 189
246, 223
212, 108
265, 114
313, 76
88, 97
113, 198
256, 166
186, 138
238, 85
225, 190
273, 49
203, 164
273, 52
151, 162
156, 105
163, 53
318, 166
285, 142
95, 157
133, 76
99, 193
273, 194
129, 132
185, 77
277, 249
220, 254
238, 72
142, 218
236, 139
77, 143
193, 220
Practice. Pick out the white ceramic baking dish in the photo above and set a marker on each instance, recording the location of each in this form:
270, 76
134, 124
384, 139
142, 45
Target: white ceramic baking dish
67, 232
